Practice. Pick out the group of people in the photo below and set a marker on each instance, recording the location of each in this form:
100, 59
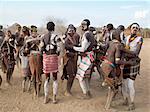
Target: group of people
38, 54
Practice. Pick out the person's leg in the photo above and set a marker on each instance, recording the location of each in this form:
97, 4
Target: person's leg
7, 76
23, 83
38, 73
125, 91
17, 57
55, 87
64, 74
87, 81
69, 85
84, 89
25, 69
10, 72
3, 66
88, 75
31, 74
29, 82
83, 86
46, 87
109, 98
131, 93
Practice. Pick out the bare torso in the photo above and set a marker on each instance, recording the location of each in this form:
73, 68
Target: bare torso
113, 51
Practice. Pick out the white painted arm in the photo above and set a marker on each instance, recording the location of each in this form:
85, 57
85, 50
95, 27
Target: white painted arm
84, 45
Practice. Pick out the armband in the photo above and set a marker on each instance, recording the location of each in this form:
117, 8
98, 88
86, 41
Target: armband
117, 59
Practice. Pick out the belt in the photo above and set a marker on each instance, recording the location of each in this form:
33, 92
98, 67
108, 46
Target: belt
110, 63
35, 52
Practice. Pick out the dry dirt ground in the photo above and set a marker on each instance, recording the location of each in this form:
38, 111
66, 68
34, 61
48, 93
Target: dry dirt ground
12, 99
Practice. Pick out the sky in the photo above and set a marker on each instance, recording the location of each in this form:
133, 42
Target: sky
99, 12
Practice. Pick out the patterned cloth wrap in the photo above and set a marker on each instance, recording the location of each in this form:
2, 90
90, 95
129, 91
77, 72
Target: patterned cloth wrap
25, 65
84, 64
50, 63
132, 71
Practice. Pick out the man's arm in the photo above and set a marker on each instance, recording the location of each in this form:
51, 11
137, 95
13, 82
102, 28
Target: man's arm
84, 45
118, 57
134, 53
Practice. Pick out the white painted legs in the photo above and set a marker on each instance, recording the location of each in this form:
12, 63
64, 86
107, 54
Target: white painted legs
83, 86
47, 89
131, 90
55, 87
128, 92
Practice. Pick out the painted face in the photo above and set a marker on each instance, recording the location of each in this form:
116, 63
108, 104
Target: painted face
22, 34
84, 25
134, 29
19, 29
71, 31
8, 34
34, 34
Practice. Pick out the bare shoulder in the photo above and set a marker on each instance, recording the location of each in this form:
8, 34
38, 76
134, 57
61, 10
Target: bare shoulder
76, 35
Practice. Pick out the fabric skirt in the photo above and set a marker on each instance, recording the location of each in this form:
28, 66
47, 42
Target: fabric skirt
50, 63
25, 66
84, 65
131, 71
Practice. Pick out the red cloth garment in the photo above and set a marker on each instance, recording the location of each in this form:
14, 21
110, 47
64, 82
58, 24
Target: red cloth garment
50, 63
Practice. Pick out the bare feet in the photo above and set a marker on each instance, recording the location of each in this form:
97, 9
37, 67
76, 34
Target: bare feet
46, 100
54, 99
29, 86
131, 107
89, 94
125, 102
68, 93
8, 84
110, 110
104, 84
84, 97
23, 85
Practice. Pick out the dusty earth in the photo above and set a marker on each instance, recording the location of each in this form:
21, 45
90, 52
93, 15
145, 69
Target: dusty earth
12, 99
